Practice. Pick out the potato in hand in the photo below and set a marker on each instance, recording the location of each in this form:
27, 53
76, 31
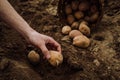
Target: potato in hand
56, 58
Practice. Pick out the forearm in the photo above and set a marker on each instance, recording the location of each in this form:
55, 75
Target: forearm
13, 19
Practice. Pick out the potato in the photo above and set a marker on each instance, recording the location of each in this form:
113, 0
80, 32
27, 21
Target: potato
33, 57
94, 17
84, 22
56, 58
66, 29
79, 15
68, 9
84, 28
93, 9
81, 41
74, 5
84, 6
75, 25
87, 18
74, 33
70, 19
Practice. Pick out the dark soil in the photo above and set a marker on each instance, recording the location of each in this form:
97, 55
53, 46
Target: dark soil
100, 61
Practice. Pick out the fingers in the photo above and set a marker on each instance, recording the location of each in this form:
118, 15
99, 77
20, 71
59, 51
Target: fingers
45, 51
56, 44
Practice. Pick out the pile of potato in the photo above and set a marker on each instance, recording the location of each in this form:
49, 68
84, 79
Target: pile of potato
80, 16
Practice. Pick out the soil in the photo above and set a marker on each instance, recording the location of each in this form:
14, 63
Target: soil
100, 61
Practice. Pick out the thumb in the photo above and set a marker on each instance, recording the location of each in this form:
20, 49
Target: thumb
45, 51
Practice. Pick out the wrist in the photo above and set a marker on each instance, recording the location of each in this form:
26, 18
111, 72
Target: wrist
33, 34
29, 34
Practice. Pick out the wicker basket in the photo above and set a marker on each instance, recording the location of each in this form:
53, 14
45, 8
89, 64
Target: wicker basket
62, 15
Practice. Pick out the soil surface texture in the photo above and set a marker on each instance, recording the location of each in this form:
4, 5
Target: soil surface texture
100, 61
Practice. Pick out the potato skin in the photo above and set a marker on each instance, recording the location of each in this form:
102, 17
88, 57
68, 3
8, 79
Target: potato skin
81, 41
74, 5
93, 9
33, 57
56, 58
87, 18
74, 33
75, 25
68, 9
70, 19
66, 29
84, 28
84, 6
79, 15
94, 17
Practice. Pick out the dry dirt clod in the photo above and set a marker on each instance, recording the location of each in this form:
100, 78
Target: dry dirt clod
96, 62
33, 57
66, 29
56, 58
81, 41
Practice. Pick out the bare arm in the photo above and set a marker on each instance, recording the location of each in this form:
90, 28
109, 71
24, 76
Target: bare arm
13, 19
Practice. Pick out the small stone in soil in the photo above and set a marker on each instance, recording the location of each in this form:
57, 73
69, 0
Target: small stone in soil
97, 63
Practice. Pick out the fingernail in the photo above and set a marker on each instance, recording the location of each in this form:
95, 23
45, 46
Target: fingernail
48, 56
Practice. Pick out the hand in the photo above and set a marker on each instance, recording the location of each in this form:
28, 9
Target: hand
41, 42
13, 19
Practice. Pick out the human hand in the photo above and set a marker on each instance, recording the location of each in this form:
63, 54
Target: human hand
43, 42
14, 20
